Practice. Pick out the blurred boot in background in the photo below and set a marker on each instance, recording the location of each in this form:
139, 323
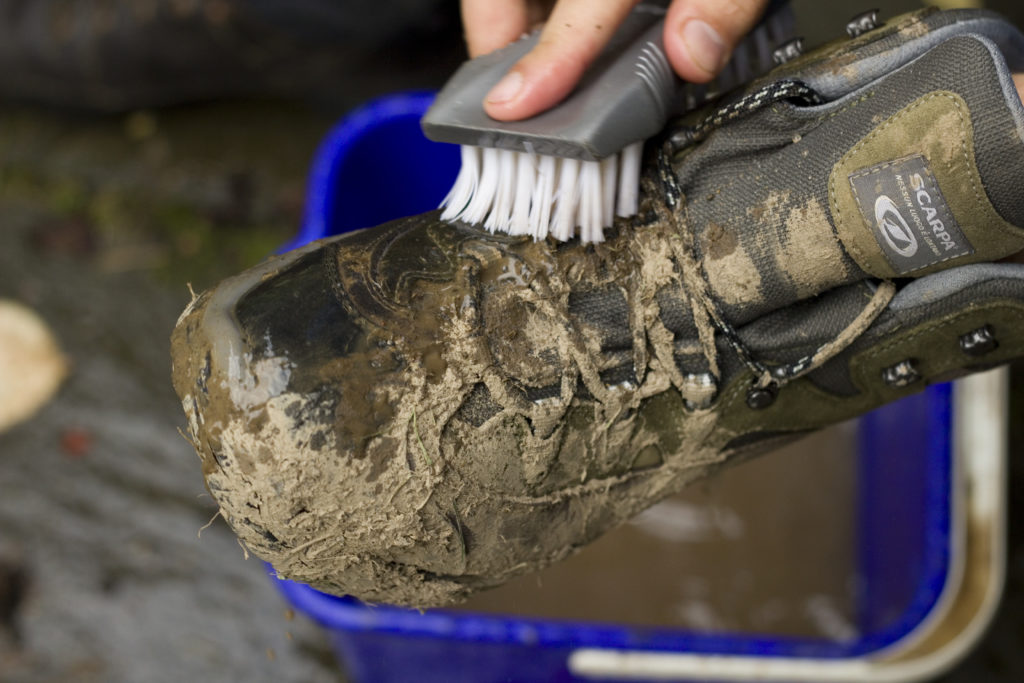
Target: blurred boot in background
115, 55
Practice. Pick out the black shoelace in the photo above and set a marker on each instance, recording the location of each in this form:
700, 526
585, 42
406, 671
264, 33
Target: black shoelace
684, 137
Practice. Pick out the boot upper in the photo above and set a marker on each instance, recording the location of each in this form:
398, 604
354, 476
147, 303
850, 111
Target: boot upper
420, 410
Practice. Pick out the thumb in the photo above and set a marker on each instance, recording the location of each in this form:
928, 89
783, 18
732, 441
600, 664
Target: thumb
700, 34
573, 36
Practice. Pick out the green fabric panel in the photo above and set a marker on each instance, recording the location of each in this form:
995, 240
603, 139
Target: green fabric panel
937, 126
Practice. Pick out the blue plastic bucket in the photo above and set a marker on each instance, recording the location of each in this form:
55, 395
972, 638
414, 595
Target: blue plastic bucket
375, 166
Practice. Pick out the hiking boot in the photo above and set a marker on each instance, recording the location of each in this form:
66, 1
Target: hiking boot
416, 411
113, 55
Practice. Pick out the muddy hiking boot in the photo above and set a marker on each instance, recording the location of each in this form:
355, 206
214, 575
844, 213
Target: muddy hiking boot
112, 55
417, 411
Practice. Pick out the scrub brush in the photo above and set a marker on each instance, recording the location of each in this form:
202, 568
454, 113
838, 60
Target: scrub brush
577, 165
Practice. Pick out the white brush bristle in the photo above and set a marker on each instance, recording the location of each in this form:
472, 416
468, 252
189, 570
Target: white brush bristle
521, 193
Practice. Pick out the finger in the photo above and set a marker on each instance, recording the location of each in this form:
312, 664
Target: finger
700, 34
573, 36
493, 24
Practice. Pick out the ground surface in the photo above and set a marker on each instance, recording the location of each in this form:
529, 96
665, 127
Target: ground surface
102, 576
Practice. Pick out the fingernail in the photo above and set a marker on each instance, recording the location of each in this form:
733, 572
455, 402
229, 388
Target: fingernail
706, 47
506, 89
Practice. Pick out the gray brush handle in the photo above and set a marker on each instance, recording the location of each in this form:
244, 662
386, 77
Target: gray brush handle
627, 95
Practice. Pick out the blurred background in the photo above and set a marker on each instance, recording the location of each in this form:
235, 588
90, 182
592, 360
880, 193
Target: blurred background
150, 144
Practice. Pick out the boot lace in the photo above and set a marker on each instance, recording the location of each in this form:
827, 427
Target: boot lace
694, 281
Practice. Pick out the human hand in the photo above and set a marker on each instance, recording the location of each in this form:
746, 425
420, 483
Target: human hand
699, 38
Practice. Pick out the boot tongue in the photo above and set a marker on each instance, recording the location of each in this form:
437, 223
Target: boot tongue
905, 202
931, 186
914, 189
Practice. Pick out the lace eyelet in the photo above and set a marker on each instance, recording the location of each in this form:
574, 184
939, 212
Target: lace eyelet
759, 398
979, 342
701, 388
902, 374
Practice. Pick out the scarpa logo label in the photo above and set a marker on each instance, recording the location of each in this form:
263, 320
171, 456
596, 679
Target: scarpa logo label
894, 228
904, 210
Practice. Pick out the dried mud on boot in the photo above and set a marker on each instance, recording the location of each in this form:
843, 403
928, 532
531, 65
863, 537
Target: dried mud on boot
418, 411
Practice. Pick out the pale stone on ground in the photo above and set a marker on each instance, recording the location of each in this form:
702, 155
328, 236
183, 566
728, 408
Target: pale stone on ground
32, 366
